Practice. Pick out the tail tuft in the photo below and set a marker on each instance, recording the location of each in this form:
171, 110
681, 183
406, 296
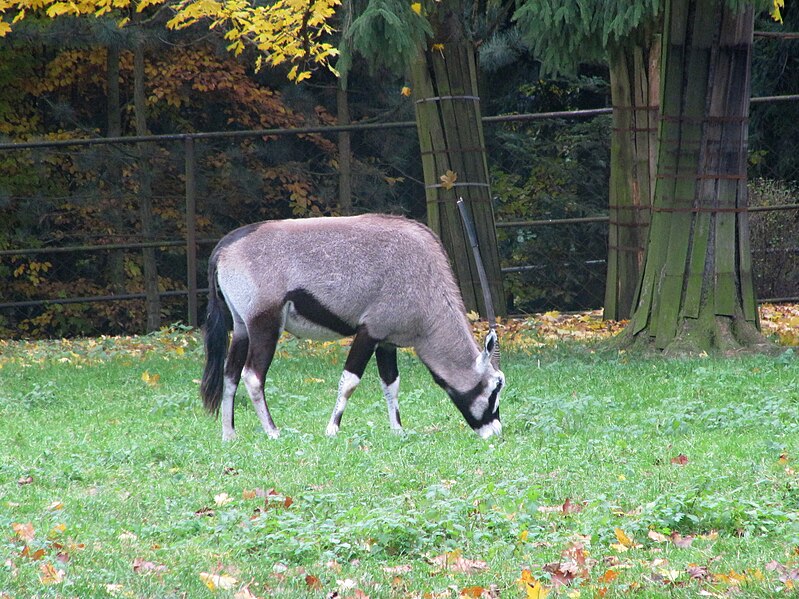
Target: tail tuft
216, 346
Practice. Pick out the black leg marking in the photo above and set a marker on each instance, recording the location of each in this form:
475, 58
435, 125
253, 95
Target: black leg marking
361, 350
264, 332
386, 356
363, 346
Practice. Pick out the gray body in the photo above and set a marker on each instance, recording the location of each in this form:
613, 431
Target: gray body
384, 279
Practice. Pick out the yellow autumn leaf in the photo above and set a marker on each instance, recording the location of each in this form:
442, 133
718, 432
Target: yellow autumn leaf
5, 28
150, 379
776, 10
448, 179
405, 91
417, 7
537, 590
622, 537
437, 47
218, 581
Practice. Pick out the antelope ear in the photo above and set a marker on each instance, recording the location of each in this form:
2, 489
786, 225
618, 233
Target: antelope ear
491, 351
491, 342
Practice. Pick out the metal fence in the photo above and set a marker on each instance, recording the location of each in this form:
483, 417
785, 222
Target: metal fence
552, 211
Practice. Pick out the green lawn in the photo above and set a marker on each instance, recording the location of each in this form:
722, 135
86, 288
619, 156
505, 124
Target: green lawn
114, 482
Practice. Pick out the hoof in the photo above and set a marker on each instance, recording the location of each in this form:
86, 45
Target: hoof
231, 436
273, 434
331, 430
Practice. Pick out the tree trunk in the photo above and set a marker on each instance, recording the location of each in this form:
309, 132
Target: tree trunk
635, 89
116, 258
344, 148
444, 80
152, 300
696, 292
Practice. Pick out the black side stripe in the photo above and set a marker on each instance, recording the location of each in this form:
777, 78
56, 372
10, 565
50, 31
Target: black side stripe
312, 309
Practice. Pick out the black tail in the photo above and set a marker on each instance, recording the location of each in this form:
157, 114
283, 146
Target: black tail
216, 344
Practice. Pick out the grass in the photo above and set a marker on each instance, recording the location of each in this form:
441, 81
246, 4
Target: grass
114, 482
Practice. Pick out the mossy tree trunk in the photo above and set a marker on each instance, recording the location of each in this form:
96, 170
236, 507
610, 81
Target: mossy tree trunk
448, 117
696, 292
635, 89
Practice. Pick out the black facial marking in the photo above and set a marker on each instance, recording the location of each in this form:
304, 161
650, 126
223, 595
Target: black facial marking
463, 401
312, 309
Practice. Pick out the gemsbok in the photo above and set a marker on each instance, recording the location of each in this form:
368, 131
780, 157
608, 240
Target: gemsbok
384, 279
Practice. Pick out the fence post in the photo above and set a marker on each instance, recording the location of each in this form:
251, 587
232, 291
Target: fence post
191, 232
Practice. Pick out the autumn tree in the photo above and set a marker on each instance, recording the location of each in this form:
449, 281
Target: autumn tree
431, 42
696, 291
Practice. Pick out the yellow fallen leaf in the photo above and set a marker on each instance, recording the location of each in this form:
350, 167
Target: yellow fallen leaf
417, 8
222, 499
218, 581
150, 379
622, 537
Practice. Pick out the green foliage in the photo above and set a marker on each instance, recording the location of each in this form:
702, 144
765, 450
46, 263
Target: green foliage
551, 170
774, 235
564, 33
388, 33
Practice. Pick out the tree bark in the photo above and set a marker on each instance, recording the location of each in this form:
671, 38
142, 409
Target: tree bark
696, 292
344, 148
448, 118
115, 265
152, 300
635, 89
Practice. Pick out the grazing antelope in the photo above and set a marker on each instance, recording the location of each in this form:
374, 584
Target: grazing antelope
384, 279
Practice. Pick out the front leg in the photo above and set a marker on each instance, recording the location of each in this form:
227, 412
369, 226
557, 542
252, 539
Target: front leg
389, 380
363, 346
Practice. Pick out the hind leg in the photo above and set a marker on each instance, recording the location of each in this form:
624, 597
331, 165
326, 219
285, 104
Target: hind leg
237, 354
264, 332
386, 356
363, 346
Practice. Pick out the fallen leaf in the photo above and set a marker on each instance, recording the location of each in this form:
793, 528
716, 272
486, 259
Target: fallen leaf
56, 505
48, 574
657, 537
222, 499
150, 379
680, 460
455, 562
142, 566
312, 582
25, 480
608, 577
24, 532
218, 581
681, 541
474, 591
244, 593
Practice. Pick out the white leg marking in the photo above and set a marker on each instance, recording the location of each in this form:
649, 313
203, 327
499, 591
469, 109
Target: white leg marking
255, 388
346, 386
391, 392
228, 393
